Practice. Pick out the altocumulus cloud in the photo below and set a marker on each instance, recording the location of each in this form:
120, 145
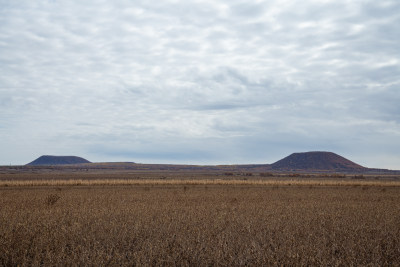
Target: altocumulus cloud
200, 81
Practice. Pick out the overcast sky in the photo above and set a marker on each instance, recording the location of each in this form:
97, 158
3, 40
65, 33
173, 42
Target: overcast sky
204, 82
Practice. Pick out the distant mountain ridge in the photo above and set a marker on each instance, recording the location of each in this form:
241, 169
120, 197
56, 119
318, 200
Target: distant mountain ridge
58, 160
316, 160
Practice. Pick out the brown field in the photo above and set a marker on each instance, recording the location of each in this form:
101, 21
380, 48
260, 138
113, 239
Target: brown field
208, 221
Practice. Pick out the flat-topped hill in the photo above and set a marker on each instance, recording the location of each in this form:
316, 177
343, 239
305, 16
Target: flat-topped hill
319, 161
58, 160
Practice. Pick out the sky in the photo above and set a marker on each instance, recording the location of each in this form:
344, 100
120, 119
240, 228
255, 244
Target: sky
200, 82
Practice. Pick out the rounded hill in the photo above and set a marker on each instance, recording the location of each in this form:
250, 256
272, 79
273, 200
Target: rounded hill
316, 161
58, 160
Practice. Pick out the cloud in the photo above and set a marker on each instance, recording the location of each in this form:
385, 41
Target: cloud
199, 82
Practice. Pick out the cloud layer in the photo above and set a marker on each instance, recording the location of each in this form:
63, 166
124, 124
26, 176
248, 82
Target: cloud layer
200, 81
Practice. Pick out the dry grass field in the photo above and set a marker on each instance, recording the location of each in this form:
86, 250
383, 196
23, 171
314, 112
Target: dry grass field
159, 223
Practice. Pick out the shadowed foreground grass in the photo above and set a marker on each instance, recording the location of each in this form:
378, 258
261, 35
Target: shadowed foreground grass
199, 224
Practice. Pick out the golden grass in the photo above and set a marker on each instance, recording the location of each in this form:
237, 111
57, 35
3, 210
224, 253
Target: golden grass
199, 223
254, 182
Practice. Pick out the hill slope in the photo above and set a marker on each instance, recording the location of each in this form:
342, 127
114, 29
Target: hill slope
319, 161
58, 160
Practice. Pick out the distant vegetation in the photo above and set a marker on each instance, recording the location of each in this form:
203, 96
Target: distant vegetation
164, 182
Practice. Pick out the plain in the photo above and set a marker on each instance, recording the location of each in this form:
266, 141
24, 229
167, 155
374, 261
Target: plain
214, 224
